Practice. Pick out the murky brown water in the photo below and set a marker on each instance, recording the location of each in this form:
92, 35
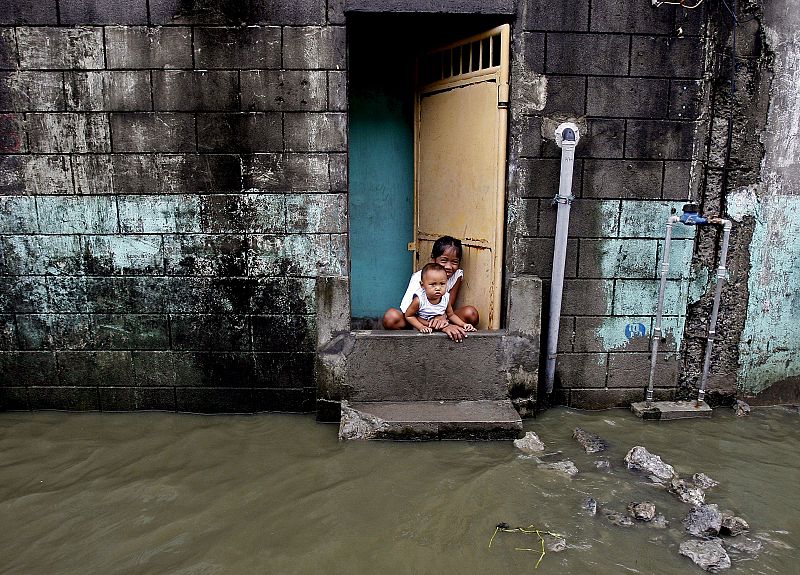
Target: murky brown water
165, 493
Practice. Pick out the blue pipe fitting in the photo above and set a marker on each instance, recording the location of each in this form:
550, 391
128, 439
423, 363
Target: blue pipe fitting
691, 216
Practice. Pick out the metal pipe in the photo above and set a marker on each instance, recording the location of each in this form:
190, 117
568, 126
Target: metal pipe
567, 137
712, 322
656, 336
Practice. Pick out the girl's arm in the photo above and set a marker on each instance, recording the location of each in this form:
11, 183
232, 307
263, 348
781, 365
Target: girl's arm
454, 290
453, 318
411, 317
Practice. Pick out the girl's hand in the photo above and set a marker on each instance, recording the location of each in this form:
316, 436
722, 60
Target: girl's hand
469, 327
439, 322
425, 329
454, 332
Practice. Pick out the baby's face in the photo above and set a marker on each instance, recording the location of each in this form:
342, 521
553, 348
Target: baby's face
449, 260
435, 284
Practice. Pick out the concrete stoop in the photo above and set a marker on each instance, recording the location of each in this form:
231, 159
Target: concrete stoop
406, 385
430, 420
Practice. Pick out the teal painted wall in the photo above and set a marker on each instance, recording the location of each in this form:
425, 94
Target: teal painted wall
381, 180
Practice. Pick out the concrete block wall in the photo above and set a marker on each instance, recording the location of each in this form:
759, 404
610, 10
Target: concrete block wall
172, 181
630, 75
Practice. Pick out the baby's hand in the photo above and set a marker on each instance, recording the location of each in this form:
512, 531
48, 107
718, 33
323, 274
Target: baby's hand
439, 322
425, 329
469, 327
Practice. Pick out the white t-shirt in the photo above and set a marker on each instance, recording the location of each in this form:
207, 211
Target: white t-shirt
428, 310
413, 286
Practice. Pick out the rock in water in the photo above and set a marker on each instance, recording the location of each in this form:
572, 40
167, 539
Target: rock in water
590, 505
660, 522
708, 554
566, 467
703, 481
602, 464
733, 526
638, 458
590, 442
530, 443
554, 543
703, 520
617, 518
741, 408
644, 511
687, 492
743, 545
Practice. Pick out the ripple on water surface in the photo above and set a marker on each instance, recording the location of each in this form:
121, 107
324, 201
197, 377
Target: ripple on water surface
166, 493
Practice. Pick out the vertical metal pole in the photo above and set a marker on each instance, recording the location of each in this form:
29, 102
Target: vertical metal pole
712, 322
567, 138
656, 337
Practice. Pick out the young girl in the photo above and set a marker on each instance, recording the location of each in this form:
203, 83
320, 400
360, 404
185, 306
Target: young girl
432, 300
447, 252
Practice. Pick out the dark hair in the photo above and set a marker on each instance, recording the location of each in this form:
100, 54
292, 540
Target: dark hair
431, 267
440, 245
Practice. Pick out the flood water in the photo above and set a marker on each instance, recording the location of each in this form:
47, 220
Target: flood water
165, 493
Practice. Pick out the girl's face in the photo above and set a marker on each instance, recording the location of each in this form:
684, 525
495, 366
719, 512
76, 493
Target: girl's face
449, 260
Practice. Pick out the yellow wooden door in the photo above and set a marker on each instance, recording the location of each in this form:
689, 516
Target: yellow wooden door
460, 161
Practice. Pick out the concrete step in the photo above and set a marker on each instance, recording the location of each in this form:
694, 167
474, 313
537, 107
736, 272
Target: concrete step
429, 420
410, 366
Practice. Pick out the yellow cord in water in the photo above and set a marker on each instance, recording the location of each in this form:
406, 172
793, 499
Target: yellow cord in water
528, 530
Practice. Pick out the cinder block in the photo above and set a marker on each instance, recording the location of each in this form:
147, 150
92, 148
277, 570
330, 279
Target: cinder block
587, 297
685, 99
565, 95
127, 91
123, 294
18, 215
8, 49
539, 178
245, 133
159, 214
237, 48
286, 400
622, 179
103, 12
524, 215
640, 297
77, 214
195, 90
292, 255
286, 172
148, 47
337, 91
175, 173
291, 333
54, 331
20, 368
207, 12
314, 132
258, 213
316, 213
595, 399
556, 17
53, 48
535, 256
283, 90
26, 294
284, 370
581, 370
630, 16
153, 132
660, 139
137, 399
95, 368
602, 139
64, 398
129, 331
633, 370
617, 258
288, 13
627, 97
311, 48
506, 7
92, 174
338, 172
32, 91
677, 180
202, 255
66, 294
123, 255
32, 254
8, 338
12, 134
588, 218
530, 136
18, 12
594, 54
69, 133
336, 12
214, 368
648, 219
270, 296
602, 334
669, 57
153, 368
215, 400
210, 332
530, 54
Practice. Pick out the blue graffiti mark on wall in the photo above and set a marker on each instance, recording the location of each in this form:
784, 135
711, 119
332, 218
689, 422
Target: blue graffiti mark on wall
635, 330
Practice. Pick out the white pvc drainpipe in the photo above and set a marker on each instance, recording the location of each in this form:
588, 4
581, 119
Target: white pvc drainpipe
567, 137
